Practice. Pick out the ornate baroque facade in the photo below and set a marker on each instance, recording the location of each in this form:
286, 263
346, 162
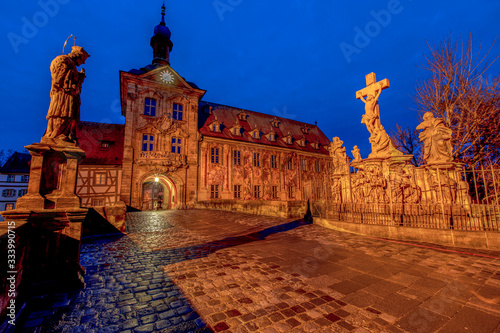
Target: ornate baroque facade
179, 151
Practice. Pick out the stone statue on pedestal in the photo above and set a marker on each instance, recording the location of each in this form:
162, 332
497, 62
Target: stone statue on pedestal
64, 109
437, 140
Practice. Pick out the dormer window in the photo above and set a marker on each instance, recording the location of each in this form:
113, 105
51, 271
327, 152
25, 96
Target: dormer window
288, 139
271, 136
236, 130
302, 142
276, 123
255, 134
315, 145
150, 107
305, 130
215, 127
243, 116
106, 144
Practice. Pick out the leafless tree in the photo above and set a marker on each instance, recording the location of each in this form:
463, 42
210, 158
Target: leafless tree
459, 91
406, 141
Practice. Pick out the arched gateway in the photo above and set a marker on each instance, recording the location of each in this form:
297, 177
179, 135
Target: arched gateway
158, 193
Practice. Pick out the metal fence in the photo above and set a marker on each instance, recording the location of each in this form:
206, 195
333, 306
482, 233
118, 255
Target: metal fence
474, 205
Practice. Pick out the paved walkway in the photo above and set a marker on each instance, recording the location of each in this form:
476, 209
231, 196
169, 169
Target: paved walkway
205, 271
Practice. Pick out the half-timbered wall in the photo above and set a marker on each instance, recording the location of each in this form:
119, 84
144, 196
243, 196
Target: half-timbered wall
99, 185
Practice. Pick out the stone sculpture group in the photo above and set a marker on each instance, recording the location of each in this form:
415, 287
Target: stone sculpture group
387, 176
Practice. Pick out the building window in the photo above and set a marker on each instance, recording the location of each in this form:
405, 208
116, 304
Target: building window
304, 165
236, 131
215, 127
9, 206
256, 134
214, 191
237, 191
329, 166
214, 155
272, 137
302, 142
147, 142
318, 192
316, 166
105, 144
256, 191
288, 139
150, 107
290, 164
274, 161
98, 202
22, 192
25, 178
9, 193
100, 178
11, 178
274, 191
290, 192
177, 111
256, 159
237, 157
176, 145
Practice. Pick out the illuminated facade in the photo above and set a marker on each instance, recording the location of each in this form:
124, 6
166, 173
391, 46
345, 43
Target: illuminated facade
181, 152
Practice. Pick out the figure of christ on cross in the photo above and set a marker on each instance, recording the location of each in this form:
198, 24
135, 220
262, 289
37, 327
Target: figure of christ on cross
371, 118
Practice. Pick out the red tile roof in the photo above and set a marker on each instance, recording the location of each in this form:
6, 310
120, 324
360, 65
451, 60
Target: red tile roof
227, 116
91, 137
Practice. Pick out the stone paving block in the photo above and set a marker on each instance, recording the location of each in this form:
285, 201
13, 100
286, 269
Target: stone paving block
131, 323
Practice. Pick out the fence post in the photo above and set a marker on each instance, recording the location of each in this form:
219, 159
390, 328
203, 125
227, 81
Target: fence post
442, 197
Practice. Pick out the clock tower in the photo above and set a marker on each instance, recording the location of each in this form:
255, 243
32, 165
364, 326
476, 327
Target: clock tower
160, 42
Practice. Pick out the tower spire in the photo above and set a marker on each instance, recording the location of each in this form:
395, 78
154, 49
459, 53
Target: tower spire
163, 14
160, 42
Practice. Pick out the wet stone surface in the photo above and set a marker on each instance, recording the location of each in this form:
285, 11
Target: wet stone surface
214, 271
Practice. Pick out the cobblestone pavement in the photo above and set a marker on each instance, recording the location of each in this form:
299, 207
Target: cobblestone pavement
205, 271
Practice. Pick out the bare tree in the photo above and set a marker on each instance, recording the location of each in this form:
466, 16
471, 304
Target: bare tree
406, 140
459, 92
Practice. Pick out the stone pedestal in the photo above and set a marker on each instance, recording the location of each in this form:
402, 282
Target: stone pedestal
53, 173
54, 216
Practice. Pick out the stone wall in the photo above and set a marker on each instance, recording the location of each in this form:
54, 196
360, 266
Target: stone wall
260, 207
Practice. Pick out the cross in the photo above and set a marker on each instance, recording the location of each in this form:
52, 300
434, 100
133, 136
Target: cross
372, 86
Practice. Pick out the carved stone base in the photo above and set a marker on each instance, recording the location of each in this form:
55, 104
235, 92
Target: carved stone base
53, 247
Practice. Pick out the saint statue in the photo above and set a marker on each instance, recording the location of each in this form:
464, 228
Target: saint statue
64, 109
356, 154
371, 118
436, 138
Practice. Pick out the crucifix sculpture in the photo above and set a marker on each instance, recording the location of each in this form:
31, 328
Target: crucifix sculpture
372, 91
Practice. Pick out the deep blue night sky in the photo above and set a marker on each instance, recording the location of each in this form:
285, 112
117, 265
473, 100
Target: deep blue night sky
280, 57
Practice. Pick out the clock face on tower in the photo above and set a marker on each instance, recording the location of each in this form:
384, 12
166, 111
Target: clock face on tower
166, 76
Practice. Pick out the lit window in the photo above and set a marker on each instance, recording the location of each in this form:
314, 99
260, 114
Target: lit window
237, 157
256, 159
274, 161
237, 191
25, 178
256, 191
9, 206
214, 155
176, 145
11, 178
150, 107
22, 192
214, 191
274, 192
147, 142
100, 178
290, 192
177, 111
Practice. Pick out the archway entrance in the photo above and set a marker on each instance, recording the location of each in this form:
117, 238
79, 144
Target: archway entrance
158, 193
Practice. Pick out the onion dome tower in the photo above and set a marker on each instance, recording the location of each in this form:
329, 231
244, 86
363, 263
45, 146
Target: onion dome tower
160, 42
